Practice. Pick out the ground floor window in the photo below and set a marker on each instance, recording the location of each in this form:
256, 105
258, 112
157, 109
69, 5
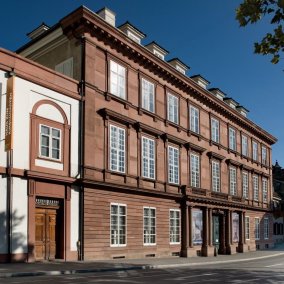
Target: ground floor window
174, 226
118, 224
247, 228
266, 228
197, 226
149, 226
256, 228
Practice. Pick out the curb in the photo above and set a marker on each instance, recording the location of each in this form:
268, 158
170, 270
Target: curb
135, 267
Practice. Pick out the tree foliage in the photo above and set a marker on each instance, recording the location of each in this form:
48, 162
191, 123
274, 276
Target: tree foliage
251, 11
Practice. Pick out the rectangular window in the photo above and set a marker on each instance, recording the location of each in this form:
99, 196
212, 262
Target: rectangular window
232, 139
148, 158
117, 80
255, 188
215, 176
245, 184
244, 145
50, 142
149, 226
173, 164
148, 95
266, 228
264, 189
194, 119
117, 149
256, 228
215, 130
247, 232
263, 155
118, 224
233, 181
194, 170
174, 226
255, 151
173, 111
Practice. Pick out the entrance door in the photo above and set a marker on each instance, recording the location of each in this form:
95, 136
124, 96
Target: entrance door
45, 234
216, 231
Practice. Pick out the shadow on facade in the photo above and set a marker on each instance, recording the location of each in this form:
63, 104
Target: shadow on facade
18, 240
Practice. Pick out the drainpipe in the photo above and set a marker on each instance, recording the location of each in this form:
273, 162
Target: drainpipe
81, 150
9, 204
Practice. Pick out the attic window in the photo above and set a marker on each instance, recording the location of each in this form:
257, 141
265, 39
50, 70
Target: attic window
180, 70
134, 37
158, 54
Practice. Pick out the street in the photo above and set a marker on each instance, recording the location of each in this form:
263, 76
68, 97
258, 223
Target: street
268, 270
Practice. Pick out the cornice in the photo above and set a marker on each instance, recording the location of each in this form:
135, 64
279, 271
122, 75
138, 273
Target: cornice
217, 156
84, 20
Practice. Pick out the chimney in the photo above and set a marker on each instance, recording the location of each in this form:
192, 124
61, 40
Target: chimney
38, 31
107, 15
201, 81
132, 32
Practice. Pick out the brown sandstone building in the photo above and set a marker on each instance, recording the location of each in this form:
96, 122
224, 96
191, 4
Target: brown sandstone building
168, 167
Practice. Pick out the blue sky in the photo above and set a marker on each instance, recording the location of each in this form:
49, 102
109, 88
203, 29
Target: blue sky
203, 34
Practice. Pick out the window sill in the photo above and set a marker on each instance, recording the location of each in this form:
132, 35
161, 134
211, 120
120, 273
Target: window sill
171, 123
109, 97
49, 160
211, 142
142, 111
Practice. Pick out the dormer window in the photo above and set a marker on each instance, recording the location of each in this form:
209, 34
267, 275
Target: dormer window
218, 93
201, 81
132, 32
231, 102
160, 55
178, 65
157, 50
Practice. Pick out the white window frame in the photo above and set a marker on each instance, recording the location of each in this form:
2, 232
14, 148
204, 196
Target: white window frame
148, 95
50, 139
194, 170
264, 190
255, 182
194, 119
174, 234
173, 108
245, 184
119, 149
148, 159
264, 155
118, 244
255, 151
215, 130
117, 79
245, 146
247, 227
256, 228
266, 228
233, 180
148, 235
232, 139
173, 165
216, 176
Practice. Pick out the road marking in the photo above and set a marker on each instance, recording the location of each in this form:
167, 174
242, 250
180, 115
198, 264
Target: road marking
278, 264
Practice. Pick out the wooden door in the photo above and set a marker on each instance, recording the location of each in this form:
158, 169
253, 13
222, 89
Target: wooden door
45, 234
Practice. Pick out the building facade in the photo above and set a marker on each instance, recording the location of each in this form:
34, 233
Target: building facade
38, 164
168, 166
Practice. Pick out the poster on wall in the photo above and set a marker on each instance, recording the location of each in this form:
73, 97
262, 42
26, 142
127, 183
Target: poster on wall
197, 226
9, 114
235, 227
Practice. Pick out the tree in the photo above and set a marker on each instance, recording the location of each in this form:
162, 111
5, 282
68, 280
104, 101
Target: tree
251, 11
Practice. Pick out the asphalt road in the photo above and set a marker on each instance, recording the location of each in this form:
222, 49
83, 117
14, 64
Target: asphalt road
269, 270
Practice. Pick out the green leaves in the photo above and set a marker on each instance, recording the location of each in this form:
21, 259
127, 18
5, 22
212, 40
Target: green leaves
251, 11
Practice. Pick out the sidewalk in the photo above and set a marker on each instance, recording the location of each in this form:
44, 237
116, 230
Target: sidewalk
60, 267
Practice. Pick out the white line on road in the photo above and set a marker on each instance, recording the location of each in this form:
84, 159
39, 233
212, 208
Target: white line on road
278, 264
